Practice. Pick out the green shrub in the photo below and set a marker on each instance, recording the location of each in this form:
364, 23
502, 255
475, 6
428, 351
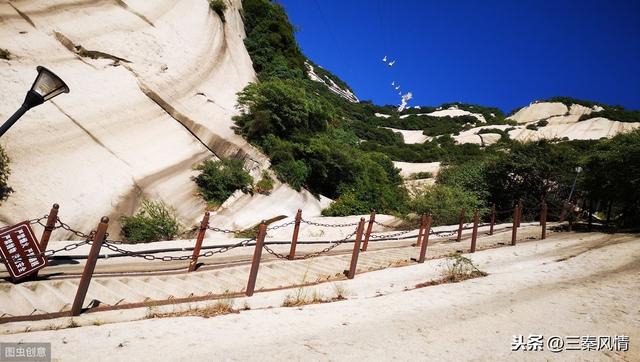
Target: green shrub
292, 172
5, 54
265, 185
470, 177
532, 127
444, 203
219, 6
220, 179
5, 190
154, 221
420, 175
542, 123
284, 108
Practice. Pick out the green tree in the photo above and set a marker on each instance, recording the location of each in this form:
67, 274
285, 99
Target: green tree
612, 176
532, 172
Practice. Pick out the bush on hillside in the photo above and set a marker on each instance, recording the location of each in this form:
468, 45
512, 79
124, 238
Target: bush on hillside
220, 179
470, 177
377, 185
283, 108
265, 185
5, 190
293, 172
444, 203
219, 6
154, 221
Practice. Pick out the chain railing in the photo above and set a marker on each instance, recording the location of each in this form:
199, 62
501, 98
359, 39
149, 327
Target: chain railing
109, 244
334, 244
312, 223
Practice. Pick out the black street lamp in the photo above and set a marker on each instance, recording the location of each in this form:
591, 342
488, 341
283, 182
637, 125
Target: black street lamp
46, 86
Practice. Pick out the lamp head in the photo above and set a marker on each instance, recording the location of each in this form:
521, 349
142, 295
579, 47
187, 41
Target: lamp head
46, 86
578, 169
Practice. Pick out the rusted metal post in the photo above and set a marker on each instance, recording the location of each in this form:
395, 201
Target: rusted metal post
462, 212
90, 266
520, 211
204, 225
367, 235
425, 239
493, 218
543, 220
48, 229
257, 254
46, 234
356, 251
423, 224
474, 234
294, 238
514, 228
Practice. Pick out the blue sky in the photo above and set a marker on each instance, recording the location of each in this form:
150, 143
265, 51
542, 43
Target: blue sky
495, 53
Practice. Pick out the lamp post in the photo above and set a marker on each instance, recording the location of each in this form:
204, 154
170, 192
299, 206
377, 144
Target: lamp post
578, 170
46, 86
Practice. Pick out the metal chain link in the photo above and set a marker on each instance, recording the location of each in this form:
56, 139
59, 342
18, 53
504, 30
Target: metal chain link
225, 231
372, 236
384, 225
328, 225
110, 245
281, 225
333, 245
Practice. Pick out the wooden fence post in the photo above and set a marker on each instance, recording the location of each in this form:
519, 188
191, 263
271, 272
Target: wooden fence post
493, 218
294, 238
90, 266
356, 251
204, 225
514, 228
462, 212
543, 220
367, 235
425, 239
423, 223
474, 234
257, 254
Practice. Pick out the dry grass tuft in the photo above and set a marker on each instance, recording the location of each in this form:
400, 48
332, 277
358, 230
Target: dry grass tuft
221, 307
456, 268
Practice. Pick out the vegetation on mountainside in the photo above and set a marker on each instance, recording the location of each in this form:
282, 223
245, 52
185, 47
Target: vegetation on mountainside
320, 141
615, 114
154, 221
306, 129
219, 6
444, 203
5, 190
265, 185
220, 179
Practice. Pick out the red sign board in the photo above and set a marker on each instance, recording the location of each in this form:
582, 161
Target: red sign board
20, 251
